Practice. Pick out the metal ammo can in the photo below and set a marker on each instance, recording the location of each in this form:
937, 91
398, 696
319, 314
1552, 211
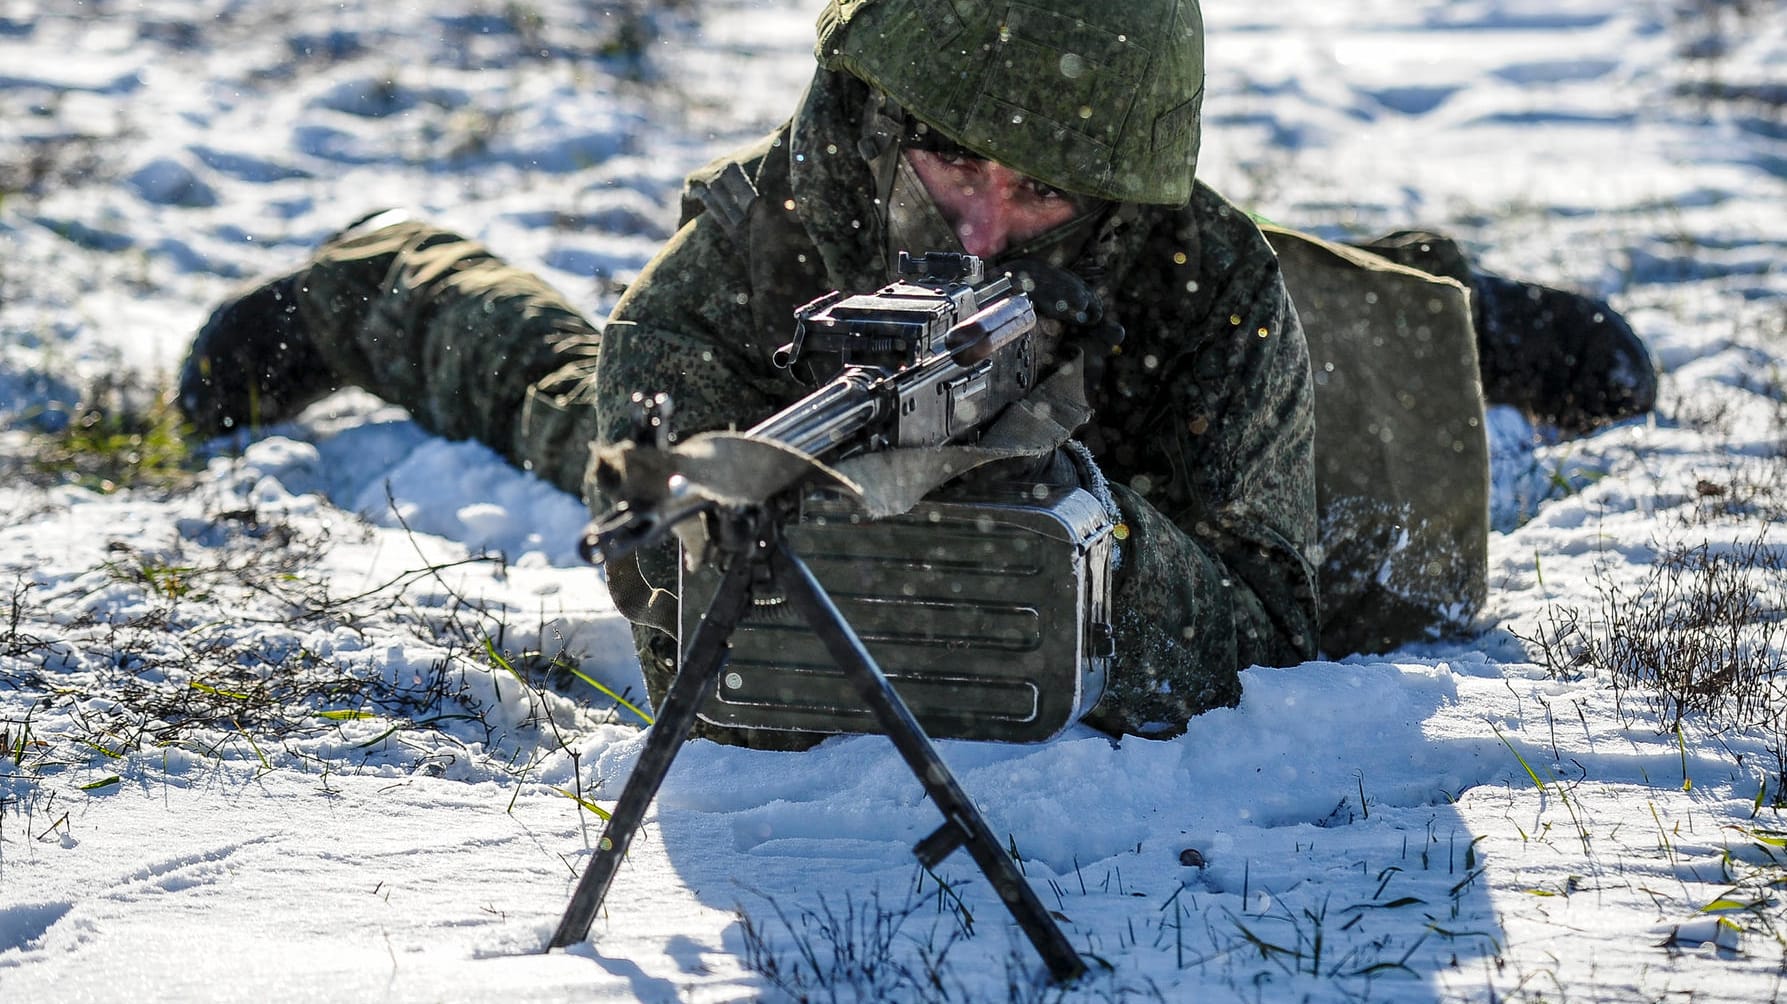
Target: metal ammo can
990, 614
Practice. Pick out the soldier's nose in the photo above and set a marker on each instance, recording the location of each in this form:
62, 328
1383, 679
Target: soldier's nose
986, 214
984, 227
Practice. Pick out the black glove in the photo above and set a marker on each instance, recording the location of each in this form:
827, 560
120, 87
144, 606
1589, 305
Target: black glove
253, 363
1073, 316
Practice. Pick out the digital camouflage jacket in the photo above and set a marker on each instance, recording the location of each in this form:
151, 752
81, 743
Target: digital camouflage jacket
1204, 422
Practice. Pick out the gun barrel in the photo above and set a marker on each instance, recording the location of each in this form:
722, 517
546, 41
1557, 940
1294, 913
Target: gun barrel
826, 418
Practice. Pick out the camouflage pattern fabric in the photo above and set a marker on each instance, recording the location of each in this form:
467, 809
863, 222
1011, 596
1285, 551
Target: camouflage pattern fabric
1102, 99
474, 347
1205, 420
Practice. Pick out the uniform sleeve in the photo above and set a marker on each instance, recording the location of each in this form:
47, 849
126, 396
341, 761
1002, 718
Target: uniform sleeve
685, 328
1207, 433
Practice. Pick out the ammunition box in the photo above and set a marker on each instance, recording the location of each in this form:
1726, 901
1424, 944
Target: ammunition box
989, 614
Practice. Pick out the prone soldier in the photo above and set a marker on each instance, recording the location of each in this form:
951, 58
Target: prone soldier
1289, 480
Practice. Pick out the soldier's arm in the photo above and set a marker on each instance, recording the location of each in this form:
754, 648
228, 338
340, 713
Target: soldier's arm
684, 328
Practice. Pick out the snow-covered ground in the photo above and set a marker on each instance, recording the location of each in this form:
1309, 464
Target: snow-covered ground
267, 736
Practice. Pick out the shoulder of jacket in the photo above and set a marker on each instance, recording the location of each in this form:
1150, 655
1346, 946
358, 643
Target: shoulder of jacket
727, 186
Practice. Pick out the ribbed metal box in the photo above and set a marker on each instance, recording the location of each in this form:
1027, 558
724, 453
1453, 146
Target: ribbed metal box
990, 614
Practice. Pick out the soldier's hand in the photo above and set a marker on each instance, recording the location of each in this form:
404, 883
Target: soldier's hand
1068, 300
1071, 315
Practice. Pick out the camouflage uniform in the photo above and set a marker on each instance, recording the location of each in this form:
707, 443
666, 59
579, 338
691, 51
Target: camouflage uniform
1206, 422
1220, 445
473, 347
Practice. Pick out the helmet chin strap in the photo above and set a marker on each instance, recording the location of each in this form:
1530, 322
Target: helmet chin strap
1062, 246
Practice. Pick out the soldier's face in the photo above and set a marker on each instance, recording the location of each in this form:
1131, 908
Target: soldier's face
990, 206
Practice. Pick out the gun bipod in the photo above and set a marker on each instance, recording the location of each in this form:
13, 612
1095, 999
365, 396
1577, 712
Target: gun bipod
752, 542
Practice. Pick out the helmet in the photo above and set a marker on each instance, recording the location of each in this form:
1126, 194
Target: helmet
1095, 97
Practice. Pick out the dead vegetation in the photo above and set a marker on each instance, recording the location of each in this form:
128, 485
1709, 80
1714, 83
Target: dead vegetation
230, 644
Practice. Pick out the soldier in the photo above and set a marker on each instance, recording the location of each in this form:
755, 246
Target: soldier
1283, 494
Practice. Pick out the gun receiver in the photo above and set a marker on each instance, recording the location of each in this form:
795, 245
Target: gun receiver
925, 361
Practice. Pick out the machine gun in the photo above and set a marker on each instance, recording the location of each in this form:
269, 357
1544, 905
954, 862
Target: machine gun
927, 361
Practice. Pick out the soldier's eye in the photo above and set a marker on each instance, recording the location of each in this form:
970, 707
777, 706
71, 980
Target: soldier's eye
922, 137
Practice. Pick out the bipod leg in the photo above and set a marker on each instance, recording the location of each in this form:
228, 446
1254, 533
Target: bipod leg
701, 664
963, 824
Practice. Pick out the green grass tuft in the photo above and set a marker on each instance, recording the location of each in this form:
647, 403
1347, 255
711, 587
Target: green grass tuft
121, 436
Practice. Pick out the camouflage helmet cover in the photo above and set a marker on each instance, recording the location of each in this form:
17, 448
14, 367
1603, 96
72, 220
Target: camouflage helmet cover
1095, 97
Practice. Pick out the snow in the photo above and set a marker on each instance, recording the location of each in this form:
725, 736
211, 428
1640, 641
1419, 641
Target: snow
266, 736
